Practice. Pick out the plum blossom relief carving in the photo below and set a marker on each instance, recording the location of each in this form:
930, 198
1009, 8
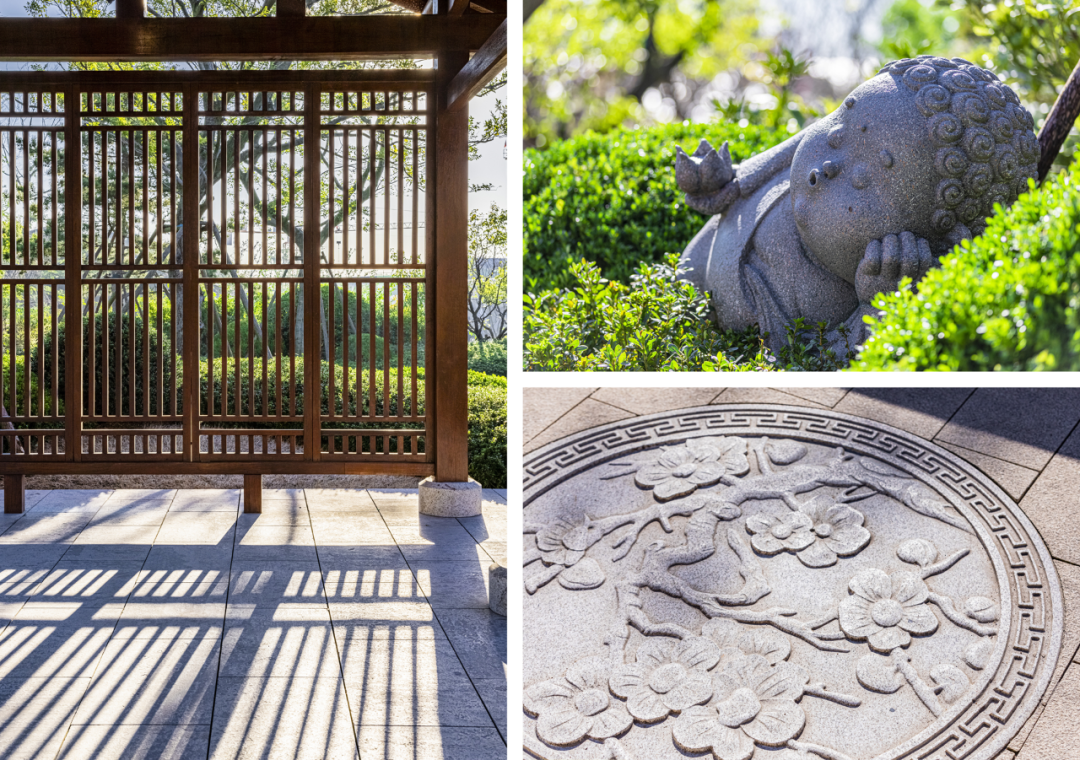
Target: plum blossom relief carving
758, 581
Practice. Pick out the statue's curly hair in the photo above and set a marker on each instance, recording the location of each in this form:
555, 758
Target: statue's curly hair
985, 140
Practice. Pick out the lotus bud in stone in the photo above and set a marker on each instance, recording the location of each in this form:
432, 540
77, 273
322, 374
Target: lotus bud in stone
918, 551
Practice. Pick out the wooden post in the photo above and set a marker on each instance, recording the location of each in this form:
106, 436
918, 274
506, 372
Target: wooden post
451, 276
253, 494
292, 8
73, 328
14, 494
131, 8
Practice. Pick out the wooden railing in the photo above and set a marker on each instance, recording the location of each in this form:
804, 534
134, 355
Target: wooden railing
217, 272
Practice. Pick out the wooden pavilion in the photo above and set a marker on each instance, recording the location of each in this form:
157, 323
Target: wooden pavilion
243, 346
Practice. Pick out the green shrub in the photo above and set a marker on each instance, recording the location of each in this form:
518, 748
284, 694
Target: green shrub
488, 356
611, 199
487, 435
657, 323
1008, 300
482, 380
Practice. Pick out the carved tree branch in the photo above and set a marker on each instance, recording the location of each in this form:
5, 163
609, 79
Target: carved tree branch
945, 604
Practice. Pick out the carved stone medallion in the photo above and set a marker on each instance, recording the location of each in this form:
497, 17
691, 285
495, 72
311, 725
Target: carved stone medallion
777, 583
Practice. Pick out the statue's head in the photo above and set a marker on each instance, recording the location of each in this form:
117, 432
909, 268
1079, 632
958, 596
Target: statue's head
927, 146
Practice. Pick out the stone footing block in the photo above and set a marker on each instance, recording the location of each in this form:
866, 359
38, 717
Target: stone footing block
497, 588
450, 499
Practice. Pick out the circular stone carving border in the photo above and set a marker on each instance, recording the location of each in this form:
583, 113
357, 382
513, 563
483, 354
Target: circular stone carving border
1005, 698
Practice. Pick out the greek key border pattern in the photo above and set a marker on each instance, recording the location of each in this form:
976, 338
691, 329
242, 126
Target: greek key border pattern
1033, 613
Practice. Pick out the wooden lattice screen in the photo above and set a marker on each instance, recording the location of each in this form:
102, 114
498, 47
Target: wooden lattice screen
216, 272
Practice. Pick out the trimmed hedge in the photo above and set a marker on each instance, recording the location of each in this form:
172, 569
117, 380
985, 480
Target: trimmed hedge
611, 199
1008, 300
487, 435
488, 356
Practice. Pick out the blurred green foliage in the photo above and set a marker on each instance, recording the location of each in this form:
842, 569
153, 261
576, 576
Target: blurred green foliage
611, 199
1008, 300
588, 63
488, 356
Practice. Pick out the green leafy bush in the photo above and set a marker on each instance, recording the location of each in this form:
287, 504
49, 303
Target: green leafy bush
657, 323
487, 435
488, 356
1008, 300
611, 199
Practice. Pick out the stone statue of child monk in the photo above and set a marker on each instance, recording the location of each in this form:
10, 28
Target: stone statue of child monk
911, 164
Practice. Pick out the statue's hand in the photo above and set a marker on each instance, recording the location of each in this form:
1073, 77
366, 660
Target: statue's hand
889, 260
707, 177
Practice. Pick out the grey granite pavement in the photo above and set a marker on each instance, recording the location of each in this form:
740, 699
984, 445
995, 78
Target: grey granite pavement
1026, 440
168, 624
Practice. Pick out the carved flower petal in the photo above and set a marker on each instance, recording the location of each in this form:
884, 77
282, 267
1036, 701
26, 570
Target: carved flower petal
549, 538
760, 523
697, 653
798, 521
703, 452
778, 721
657, 650
725, 683
908, 588
769, 644
855, 618
799, 540
672, 488
724, 632
749, 671
766, 543
611, 722
653, 475
589, 673
784, 680
554, 557
556, 694
673, 456
871, 584
818, 554
698, 730
888, 639
847, 539
842, 514
563, 728
647, 706
919, 619
707, 473
628, 679
734, 456
695, 689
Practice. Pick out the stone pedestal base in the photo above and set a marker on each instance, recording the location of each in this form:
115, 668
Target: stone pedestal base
497, 589
448, 499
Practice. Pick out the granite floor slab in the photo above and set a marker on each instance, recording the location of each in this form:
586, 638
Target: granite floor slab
168, 624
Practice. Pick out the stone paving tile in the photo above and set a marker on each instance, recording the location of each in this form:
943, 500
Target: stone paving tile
280, 644
497, 495
543, 406
641, 401
6, 521
1013, 479
430, 743
1057, 733
136, 743
282, 718
1024, 426
407, 681
762, 396
493, 693
34, 714
141, 495
587, 414
478, 638
453, 584
154, 658
825, 396
72, 500
152, 682
320, 500
345, 531
1056, 518
206, 500
917, 410
44, 529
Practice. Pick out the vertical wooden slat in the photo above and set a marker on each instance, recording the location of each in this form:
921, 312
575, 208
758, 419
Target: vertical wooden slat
312, 388
14, 490
451, 277
190, 290
73, 404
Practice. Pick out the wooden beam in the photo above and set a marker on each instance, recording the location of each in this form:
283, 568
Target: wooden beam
489, 60
451, 277
456, 7
236, 467
241, 39
14, 494
253, 494
489, 6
